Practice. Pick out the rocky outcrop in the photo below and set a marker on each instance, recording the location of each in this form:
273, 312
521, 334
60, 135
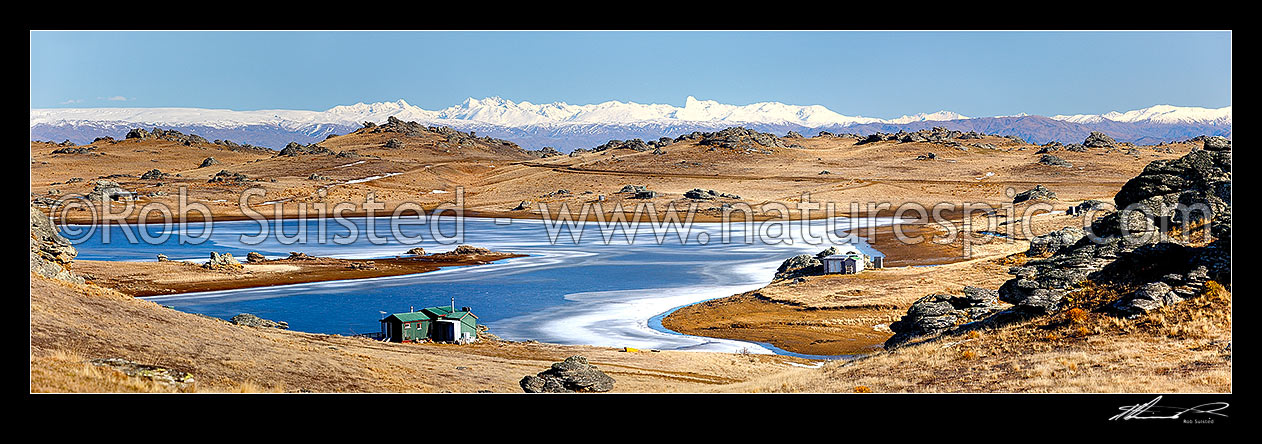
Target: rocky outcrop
1051, 160
250, 320
228, 177
1144, 243
222, 262
633, 144
737, 138
546, 152
937, 313
296, 149
574, 375
154, 174
167, 135
161, 375
1098, 140
393, 143
208, 162
51, 253
418, 251
804, 264
467, 250
700, 194
254, 257
76, 150
1039, 192
108, 189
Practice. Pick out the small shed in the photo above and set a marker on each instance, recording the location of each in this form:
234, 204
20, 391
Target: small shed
439, 324
843, 264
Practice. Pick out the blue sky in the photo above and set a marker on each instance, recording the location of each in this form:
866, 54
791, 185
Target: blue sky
874, 74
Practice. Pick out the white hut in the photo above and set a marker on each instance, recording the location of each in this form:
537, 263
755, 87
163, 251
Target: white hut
849, 260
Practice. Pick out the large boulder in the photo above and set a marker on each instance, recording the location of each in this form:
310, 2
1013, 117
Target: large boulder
937, 313
1051, 160
1098, 140
800, 265
108, 190
570, 376
222, 262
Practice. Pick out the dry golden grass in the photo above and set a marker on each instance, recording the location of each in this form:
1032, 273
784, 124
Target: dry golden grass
1182, 348
235, 359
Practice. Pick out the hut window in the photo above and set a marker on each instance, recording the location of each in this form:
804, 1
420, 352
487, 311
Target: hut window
407, 325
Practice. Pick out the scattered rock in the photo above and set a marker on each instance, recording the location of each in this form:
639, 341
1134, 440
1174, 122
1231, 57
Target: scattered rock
208, 162
254, 257
393, 143
226, 177
525, 204
163, 258
418, 251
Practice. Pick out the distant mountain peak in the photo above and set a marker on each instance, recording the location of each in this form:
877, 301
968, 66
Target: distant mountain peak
567, 126
1164, 114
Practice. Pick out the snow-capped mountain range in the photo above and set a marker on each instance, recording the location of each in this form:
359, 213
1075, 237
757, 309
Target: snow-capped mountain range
566, 126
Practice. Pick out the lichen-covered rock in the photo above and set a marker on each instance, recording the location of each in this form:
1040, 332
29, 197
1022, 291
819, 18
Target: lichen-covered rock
1131, 249
937, 313
574, 375
250, 320
51, 253
1055, 241
108, 189
222, 262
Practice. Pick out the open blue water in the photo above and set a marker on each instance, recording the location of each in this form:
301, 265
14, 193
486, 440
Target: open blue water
586, 293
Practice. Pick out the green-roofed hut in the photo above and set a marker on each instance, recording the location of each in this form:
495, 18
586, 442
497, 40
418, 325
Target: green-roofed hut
439, 324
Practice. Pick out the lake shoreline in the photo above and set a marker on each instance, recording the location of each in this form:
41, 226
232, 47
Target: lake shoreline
145, 279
